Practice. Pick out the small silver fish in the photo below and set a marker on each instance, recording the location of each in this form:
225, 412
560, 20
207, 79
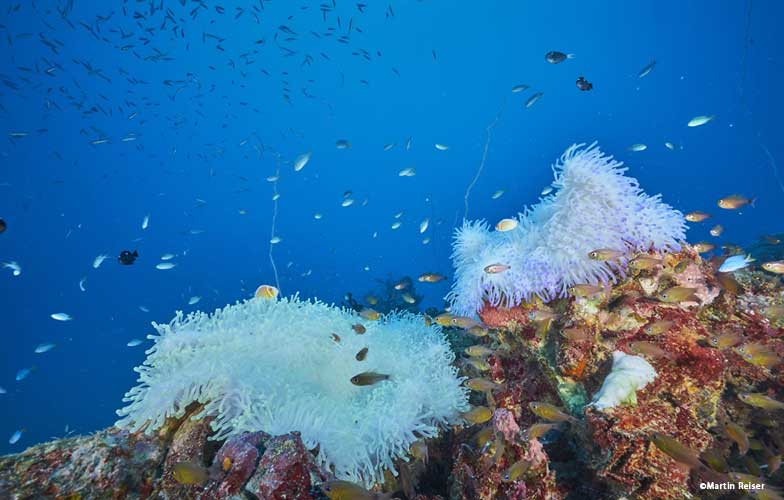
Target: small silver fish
533, 99
45, 347
301, 161
99, 260
647, 69
23, 373
700, 120
16, 436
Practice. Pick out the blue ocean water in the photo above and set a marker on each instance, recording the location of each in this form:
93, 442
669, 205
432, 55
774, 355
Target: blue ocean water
180, 110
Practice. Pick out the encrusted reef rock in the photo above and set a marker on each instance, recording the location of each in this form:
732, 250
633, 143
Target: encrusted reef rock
108, 464
121, 465
715, 337
286, 470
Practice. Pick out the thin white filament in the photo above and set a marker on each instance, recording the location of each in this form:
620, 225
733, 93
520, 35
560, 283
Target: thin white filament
488, 131
773, 166
274, 219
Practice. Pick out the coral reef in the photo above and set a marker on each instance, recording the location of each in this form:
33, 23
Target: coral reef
538, 367
117, 464
697, 351
595, 206
288, 365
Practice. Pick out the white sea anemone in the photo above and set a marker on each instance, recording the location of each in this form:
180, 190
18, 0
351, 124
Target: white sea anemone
594, 206
274, 366
629, 374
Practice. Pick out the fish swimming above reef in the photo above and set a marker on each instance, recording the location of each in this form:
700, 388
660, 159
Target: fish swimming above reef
99, 260
345, 490
760, 400
697, 216
699, 120
647, 69
549, 412
676, 450
555, 57
533, 99
16, 436
267, 292
735, 201
735, 263
478, 415
583, 84
774, 266
127, 257
301, 161
190, 473
431, 278
368, 378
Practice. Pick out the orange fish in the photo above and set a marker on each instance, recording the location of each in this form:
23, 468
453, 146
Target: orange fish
703, 247
267, 292
431, 278
697, 216
735, 201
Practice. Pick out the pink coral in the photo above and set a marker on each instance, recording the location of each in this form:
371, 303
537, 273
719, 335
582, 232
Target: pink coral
504, 422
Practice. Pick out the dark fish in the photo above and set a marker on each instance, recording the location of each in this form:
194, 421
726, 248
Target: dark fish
3, 226
127, 257
368, 378
362, 354
583, 84
555, 57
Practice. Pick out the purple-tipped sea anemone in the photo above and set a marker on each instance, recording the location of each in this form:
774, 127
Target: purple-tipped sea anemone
594, 206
